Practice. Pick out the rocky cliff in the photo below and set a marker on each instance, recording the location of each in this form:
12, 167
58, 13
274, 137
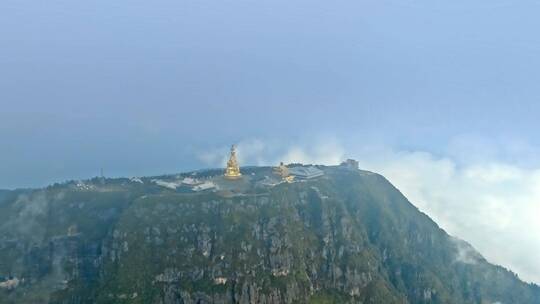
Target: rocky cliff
346, 237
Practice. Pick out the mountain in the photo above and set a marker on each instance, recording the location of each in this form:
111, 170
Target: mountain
348, 236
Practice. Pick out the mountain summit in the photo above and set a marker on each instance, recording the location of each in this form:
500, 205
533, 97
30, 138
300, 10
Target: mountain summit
333, 235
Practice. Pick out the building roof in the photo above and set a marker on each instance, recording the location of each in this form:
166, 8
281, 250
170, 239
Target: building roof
306, 172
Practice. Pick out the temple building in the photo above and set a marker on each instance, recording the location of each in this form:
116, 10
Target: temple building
233, 169
305, 172
350, 164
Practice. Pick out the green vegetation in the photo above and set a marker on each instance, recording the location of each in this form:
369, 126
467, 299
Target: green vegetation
347, 237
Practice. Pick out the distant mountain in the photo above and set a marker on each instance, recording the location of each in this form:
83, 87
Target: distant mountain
348, 236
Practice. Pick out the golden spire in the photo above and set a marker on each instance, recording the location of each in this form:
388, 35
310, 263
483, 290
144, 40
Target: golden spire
233, 170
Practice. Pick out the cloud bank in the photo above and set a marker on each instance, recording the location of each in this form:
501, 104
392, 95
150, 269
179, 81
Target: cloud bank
493, 205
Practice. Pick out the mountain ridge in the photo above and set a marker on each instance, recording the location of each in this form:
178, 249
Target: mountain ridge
347, 237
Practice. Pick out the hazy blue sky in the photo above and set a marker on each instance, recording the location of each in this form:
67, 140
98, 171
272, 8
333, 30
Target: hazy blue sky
141, 87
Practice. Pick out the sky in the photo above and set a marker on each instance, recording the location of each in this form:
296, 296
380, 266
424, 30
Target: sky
442, 97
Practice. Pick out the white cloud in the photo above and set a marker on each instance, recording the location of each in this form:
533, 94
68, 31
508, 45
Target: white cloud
494, 206
327, 152
466, 253
269, 153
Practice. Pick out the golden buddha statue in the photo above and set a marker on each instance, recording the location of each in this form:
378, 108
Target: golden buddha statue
233, 170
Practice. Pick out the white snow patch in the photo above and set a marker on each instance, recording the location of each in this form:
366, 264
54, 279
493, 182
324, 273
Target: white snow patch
190, 181
136, 180
169, 185
10, 284
204, 186
82, 186
220, 281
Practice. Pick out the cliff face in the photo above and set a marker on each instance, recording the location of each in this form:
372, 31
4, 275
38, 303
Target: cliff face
347, 237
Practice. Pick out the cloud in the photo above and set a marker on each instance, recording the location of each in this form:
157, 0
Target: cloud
493, 205
326, 151
27, 223
465, 252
